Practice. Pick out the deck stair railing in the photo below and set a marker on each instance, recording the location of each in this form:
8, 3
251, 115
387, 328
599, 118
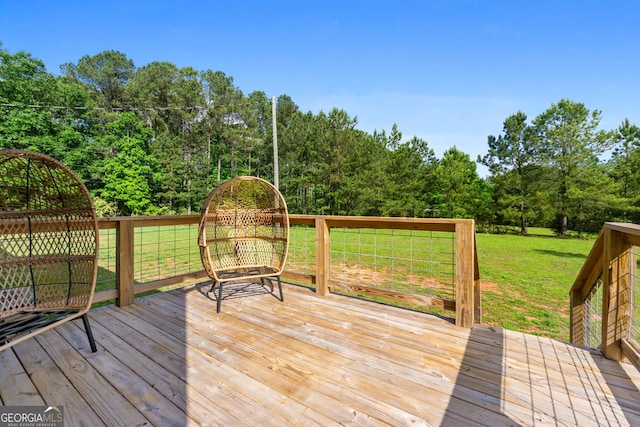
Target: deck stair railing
605, 299
404, 249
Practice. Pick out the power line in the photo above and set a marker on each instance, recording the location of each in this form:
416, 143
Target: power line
117, 109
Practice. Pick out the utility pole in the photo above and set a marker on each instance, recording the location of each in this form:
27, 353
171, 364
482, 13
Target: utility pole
275, 144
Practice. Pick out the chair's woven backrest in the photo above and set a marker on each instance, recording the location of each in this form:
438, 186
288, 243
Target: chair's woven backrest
244, 225
48, 236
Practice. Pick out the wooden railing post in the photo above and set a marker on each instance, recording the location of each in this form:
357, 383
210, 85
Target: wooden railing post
616, 293
323, 256
466, 297
577, 320
124, 262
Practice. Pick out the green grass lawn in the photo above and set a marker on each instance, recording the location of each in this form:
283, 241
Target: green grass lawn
526, 281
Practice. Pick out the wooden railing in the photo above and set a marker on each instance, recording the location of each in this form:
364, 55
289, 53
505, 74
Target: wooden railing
466, 288
125, 287
604, 297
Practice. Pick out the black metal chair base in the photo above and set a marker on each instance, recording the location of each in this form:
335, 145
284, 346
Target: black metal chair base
87, 328
219, 295
23, 323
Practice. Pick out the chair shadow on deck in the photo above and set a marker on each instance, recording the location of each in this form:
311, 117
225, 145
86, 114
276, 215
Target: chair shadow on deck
625, 391
508, 388
239, 289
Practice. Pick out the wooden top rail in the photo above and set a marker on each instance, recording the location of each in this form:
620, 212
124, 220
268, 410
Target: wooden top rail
428, 224
148, 221
424, 224
631, 231
591, 269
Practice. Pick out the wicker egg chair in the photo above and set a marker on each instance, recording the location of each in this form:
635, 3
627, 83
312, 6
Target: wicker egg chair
244, 233
48, 247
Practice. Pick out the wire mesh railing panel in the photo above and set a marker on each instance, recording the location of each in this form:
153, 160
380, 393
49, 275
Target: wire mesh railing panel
407, 261
592, 321
106, 280
302, 250
412, 267
165, 251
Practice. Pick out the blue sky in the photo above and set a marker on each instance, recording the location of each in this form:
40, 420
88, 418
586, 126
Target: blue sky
448, 72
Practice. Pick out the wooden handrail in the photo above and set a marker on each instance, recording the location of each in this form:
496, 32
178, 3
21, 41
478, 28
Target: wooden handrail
611, 264
467, 278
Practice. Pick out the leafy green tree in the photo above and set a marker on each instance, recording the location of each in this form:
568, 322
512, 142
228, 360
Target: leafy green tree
507, 199
257, 118
460, 191
286, 111
410, 180
183, 157
394, 138
128, 171
189, 130
364, 179
105, 74
29, 121
337, 137
624, 168
152, 90
171, 101
315, 155
510, 160
223, 100
593, 198
569, 143
299, 161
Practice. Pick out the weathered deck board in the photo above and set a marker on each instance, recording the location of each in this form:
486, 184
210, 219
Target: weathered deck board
17, 388
169, 359
53, 384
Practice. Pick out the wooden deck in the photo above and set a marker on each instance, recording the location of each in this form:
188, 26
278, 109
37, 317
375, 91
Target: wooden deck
169, 359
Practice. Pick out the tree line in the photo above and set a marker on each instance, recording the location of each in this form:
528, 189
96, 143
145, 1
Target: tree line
156, 139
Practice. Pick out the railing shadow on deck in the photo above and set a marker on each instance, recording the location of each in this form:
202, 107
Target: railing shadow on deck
495, 388
605, 307
626, 393
473, 377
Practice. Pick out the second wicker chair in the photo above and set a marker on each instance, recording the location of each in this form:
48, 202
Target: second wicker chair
244, 233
